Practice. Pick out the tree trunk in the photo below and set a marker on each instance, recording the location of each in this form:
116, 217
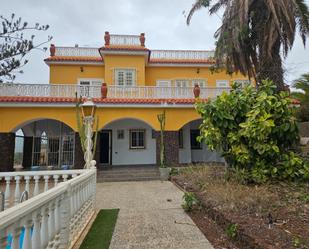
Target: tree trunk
271, 68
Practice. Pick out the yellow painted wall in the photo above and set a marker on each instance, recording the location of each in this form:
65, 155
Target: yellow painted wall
13, 118
69, 74
125, 61
171, 73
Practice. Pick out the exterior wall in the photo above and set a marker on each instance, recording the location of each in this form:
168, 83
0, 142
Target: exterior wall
125, 61
69, 74
304, 129
171, 73
188, 155
121, 152
7, 146
171, 147
13, 118
78, 154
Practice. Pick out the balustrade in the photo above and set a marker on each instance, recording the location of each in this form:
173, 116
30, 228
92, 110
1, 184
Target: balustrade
52, 219
34, 182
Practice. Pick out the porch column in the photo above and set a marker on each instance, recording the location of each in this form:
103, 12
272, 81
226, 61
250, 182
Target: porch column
27, 152
7, 147
79, 161
171, 144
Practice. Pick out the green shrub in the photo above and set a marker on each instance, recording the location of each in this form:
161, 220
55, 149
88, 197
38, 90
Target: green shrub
254, 129
231, 231
189, 200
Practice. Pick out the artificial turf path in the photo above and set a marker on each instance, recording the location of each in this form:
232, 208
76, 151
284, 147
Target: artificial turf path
100, 234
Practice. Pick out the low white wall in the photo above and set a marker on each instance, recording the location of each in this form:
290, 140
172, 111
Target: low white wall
121, 152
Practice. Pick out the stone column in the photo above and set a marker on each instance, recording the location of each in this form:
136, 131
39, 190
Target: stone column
79, 161
171, 144
27, 152
7, 147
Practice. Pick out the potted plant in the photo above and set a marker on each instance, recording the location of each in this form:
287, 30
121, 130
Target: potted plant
164, 170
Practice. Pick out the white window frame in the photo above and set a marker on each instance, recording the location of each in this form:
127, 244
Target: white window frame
242, 82
130, 139
125, 80
199, 81
182, 83
219, 83
163, 83
86, 90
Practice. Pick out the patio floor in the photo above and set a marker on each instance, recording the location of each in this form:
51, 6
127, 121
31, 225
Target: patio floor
150, 216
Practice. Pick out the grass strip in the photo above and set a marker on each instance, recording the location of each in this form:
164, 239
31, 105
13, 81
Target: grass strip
100, 234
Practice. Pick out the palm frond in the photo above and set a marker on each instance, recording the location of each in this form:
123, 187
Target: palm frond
195, 7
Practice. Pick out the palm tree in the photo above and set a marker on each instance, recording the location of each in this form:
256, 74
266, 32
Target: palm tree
302, 84
255, 34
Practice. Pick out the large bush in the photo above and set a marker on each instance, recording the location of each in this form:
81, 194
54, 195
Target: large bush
254, 129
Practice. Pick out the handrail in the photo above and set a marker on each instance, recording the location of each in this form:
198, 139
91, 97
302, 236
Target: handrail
41, 173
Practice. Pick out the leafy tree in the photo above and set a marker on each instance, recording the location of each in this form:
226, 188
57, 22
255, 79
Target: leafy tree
254, 129
254, 32
14, 46
302, 84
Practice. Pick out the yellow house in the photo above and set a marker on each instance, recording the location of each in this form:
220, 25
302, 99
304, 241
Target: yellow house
130, 84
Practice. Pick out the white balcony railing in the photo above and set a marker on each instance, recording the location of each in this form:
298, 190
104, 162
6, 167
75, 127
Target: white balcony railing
52, 219
181, 55
127, 40
128, 92
77, 51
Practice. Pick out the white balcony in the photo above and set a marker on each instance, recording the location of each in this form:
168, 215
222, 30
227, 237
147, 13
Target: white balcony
61, 204
181, 55
127, 92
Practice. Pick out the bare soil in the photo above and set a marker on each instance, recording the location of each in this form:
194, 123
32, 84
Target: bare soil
271, 216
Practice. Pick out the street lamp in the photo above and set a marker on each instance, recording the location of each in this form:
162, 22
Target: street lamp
88, 112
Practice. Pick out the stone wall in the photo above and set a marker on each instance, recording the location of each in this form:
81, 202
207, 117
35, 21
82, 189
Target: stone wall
78, 155
171, 144
7, 147
27, 152
304, 129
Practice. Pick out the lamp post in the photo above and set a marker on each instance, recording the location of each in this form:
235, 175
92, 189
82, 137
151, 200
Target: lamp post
88, 112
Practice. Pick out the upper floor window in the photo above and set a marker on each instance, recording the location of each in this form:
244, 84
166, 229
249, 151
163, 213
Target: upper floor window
125, 77
199, 82
182, 83
222, 83
88, 86
243, 83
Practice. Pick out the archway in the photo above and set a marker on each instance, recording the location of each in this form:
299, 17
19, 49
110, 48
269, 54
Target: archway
190, 150
46, 143
126, 141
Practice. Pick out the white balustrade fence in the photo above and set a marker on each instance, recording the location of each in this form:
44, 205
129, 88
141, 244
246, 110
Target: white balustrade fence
181, 55
52, 219
130, 92
34, 182
77, 51
124, 40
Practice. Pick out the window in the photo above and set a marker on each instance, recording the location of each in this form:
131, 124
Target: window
120, 134
137, 139
163, 83
195, 145
125, 77
222, 83
181, 83
90, 87
180, 138
200, 82
243, 83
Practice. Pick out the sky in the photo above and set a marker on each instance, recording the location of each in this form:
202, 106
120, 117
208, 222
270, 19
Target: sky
84, 22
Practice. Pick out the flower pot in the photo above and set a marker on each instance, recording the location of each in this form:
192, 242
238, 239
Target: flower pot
103, 91
142, 39
107, 38
196, 91
164, 173
52, 50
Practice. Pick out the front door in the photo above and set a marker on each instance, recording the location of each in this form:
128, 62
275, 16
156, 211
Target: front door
105, 146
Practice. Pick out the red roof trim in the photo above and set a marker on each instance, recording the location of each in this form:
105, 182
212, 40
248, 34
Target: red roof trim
74, 58
20, 99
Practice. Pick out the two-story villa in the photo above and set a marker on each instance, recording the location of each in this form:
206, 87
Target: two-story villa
40, 119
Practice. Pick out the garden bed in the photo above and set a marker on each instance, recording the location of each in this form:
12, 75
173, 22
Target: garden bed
232, 215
